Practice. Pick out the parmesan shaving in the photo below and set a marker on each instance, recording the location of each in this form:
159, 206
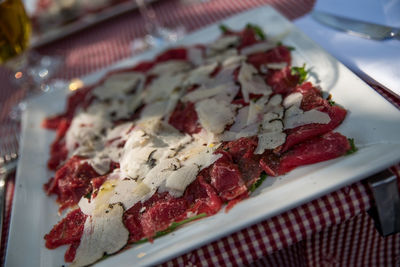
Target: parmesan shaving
251, 82
224, 42
295, 117
118, 85
257, 48
214, 116
103, 233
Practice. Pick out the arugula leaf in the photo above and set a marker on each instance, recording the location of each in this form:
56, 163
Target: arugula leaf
301, 71
353, 147
257, 30
224, 28
290, 48
331, 102
172, 227
88, 195
257, 184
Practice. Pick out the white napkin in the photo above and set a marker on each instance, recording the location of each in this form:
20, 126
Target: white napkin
378, 59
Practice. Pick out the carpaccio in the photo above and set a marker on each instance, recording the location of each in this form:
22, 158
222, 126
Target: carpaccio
174, 139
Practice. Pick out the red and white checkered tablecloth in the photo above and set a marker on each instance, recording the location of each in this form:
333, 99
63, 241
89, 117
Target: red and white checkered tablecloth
333, 230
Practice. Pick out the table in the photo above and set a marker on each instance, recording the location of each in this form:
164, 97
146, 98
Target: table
332, 230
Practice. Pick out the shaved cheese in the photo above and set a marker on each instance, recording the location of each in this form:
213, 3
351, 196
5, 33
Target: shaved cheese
133, 162
128, 193
275, 100
224, 42
293, 99
241, 119
225, 75
224, 91
234, 61
154, 110
136, 152
213, 115
269, 140
172, 102
251, 82
248, 131
276, 66
200, 74
274, 106
100, 163
171, 136
180, 179
257, 48
256, 109
119, 131
295, 117
159, 173
82, 137
170, 67
85, 206
221, 56
273, 125
103, 233
118, 85
195, 55
162, 87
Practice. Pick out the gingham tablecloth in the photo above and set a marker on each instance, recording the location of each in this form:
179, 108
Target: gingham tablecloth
333, 230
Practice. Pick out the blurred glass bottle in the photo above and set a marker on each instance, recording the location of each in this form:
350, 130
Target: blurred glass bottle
15, 29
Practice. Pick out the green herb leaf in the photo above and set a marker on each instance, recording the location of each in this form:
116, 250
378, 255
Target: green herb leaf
224, 28
353, 147
257, 30
172, 227
331, 102
88, 195
290, 48
301, 71
257, 184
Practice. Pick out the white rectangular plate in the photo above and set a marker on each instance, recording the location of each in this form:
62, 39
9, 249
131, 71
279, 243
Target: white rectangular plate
371, 121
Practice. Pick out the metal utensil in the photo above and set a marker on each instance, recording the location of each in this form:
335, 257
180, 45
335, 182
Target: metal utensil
356, 27
386, 212
8, 164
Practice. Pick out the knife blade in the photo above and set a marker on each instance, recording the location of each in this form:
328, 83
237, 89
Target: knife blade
356, 27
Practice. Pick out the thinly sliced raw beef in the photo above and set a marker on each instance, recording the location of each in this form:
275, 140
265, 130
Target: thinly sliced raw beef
312, 99
184, 118
326, 147
71, 182
275, 55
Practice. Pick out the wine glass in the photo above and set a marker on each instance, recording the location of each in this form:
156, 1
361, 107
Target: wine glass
157, 34
30, 70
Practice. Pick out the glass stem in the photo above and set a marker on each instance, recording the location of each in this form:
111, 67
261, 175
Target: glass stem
149, 15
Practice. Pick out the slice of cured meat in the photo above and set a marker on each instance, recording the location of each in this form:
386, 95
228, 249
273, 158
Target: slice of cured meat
202, 196
282, 81
71, 182
242, 153
312, 99
325, 147
275, 55
227, 179
161, 215
184, 118
67, 231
